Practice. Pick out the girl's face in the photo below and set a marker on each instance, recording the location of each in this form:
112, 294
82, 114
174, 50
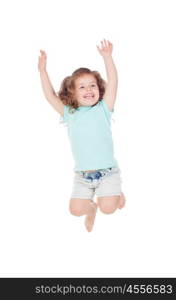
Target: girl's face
86, 90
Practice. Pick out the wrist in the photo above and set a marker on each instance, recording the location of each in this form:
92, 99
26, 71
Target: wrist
107, 57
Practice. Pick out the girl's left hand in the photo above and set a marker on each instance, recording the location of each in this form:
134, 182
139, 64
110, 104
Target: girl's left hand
106, 48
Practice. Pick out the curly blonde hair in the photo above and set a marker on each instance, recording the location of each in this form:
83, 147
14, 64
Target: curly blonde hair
67, 89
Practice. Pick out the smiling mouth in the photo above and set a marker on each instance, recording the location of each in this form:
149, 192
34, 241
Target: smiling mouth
89, 96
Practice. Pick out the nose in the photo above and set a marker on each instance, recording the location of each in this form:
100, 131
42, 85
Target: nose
88, 87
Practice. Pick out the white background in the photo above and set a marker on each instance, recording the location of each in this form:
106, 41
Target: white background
38, 236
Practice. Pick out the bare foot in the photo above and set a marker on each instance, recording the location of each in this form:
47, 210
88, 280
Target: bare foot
90, 218
121, 201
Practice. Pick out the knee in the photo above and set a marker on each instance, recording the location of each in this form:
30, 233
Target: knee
75, 210
108, 208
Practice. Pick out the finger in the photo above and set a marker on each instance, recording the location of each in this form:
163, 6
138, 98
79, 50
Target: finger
99, 50
105, 42
42, 52
110, 43
102, 45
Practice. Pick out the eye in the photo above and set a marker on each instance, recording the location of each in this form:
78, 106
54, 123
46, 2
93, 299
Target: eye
93, 85
81, 87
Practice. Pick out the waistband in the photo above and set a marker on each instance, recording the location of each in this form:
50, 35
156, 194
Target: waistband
95, 174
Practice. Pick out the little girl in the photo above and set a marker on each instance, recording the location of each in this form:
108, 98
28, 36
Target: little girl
85, 103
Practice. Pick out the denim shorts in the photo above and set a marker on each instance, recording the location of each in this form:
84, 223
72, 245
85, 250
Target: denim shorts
102, 182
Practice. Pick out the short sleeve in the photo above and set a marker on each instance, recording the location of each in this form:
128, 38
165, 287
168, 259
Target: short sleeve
64, 119
106, 109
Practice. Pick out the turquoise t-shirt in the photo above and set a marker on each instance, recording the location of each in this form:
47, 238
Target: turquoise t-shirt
89, 131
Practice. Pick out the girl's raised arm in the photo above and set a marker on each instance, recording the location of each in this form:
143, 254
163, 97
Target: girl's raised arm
112, 78
47, 87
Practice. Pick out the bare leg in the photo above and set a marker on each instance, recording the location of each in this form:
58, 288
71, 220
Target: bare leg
80, 207
90, 217
109, 204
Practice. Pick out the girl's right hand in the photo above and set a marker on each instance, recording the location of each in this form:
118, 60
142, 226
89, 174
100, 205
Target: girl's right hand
42, 61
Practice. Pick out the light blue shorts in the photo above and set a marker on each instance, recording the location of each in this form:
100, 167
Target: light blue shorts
102, 182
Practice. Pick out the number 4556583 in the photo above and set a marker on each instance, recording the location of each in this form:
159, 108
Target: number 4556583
149, 289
